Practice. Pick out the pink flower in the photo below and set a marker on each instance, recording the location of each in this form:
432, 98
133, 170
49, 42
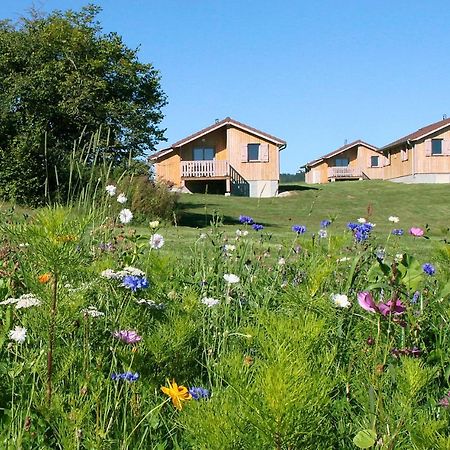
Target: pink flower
416, 232
393, 306
127, 336
366, 302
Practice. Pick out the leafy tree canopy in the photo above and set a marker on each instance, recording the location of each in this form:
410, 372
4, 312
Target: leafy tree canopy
60, 78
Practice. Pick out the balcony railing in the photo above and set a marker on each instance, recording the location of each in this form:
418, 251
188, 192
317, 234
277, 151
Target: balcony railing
205, 169
345, 172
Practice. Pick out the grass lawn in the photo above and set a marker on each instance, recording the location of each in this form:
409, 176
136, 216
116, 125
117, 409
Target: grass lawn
420, 205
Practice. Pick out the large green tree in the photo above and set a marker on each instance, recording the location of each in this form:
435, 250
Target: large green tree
62, 77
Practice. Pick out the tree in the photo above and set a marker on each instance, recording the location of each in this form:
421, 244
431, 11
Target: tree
60, 78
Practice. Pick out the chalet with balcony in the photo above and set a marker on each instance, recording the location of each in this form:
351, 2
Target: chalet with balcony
355, 161
227, 157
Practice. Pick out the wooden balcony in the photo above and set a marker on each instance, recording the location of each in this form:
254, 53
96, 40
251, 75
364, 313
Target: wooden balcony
217, 169
346, 173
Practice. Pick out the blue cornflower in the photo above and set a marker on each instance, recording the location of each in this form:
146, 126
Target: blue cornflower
134, 282
127, 376
246, 219
429, 269
352, 226
257, 227
322, 234
198, 392
360, 230
416, 297
299, 229
397, 232
325, 223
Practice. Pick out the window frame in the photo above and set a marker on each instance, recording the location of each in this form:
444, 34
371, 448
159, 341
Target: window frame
440, 152
371, 161
256, 146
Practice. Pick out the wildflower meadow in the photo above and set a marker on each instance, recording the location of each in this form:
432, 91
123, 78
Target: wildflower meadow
327, 337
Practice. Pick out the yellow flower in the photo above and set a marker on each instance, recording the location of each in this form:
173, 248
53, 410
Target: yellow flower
44, 277
176, 393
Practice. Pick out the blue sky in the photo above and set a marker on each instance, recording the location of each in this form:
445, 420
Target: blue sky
312, 73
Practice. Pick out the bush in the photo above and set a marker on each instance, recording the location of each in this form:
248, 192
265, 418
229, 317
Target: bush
149, 199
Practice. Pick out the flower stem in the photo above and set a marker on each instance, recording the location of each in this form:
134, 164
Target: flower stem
51, 338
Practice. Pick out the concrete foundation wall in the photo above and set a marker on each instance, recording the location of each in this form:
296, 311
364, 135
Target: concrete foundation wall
423, 178
263, 188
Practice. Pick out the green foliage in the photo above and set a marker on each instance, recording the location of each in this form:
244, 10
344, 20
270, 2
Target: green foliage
61, 80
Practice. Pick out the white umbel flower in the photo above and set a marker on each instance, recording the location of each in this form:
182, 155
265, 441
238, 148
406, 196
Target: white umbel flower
125, 216
18, 334
24, 301
156, 241
341, 300
121, 198
154, 224
231, 278
394, 219
362, 220
210, 302
92, 311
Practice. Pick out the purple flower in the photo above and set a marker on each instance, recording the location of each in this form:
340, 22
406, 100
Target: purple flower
415, 297
127, 376
360, 230
397, 232
429, 269
352, 226
127, 336
198, 392
246, 219
134, 282
394, 306
325, 223
299, 229
257, 227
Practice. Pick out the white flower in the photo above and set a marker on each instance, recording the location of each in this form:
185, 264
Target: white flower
362, 220
281, 262
372, 224
240, 233
18, 334
398, 257
109, 274
24, 301
26, 244
210, 302
229, 247
231, 278
323, 234
125, 216
203, 236
393, 219
121, 198
151, 304
156, 241
340, 300
92, 311
111, 190
133, 271
345, 258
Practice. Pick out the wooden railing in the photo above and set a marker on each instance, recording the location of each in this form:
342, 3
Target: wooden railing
205, 169
345, 172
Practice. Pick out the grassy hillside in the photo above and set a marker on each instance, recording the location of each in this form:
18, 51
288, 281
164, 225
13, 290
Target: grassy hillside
423, 205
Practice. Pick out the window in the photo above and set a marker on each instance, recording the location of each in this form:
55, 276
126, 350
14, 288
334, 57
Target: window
436, 146
252, 152
341, 162
374, 161
203, 154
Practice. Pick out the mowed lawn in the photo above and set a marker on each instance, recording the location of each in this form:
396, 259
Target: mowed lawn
419, 205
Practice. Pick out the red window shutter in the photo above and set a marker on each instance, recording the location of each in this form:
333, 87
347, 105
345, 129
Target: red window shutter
428, 147
264, 152
244, 153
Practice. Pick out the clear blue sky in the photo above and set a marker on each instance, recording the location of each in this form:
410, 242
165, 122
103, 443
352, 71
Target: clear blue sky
312, 73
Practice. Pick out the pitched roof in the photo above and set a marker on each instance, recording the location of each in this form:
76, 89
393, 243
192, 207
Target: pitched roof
420, 133
340, 150
228, 121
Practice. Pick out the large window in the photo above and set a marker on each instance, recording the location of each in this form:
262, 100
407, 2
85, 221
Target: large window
253, 152
374, 161
203, 154
341, 162
436, 146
